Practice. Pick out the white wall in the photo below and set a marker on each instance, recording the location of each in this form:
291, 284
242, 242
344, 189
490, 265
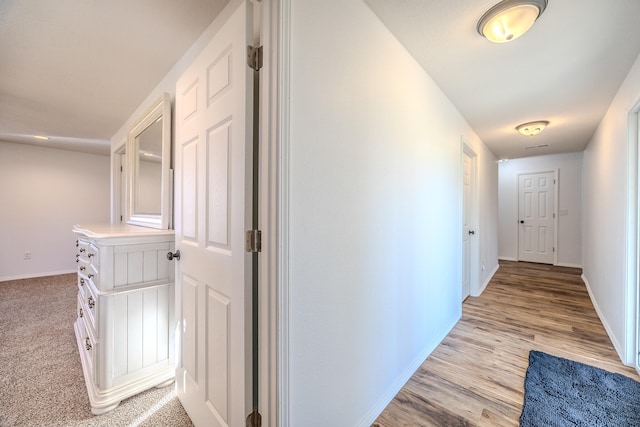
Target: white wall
605, 183
375, 224
569, 168
168, 85
43, 193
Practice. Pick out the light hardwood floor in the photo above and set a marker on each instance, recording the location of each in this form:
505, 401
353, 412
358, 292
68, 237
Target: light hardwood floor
475, 377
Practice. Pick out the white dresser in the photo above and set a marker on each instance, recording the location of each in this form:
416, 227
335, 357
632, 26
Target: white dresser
125, 311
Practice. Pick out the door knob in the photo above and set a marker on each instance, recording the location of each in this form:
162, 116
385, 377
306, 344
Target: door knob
472, 232
521, 222
171, 256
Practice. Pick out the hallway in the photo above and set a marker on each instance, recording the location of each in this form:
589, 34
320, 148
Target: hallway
476, 375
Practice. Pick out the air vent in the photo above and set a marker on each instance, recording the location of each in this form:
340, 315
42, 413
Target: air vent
534, 147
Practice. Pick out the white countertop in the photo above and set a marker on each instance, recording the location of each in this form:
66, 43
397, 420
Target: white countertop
118, 230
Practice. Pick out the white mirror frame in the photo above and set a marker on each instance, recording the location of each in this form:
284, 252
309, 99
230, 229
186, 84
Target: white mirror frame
161, 109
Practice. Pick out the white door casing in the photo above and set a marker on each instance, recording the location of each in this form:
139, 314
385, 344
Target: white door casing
536, 213
213, 148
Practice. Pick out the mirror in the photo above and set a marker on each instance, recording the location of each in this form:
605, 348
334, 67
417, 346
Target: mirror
149, 157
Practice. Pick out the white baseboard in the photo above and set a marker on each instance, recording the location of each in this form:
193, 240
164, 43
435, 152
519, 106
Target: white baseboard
486, 282
33, 276
507, 258
568, 264
616, 344
397, 385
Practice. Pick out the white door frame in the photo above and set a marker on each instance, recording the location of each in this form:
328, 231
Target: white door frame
556, 185
119, 171
273, 214
474, 256
632, 308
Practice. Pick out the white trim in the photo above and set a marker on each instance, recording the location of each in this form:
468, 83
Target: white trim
632, 259
486, 282
282, 223
117, 161
36, 275
507, 258
397, 385
616, 344
268, 211
568, 264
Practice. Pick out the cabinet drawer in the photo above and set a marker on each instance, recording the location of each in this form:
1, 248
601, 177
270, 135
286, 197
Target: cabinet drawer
90, 309
87, 347
92, 255
82, 250
82, 286
83, 266
93, 276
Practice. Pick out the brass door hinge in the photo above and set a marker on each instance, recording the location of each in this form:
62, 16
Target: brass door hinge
254, 57
253, 241
254, 419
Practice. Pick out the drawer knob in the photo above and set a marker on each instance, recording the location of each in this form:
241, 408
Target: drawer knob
82, 268
87, 343
80, 313
171, 256
90, 255
91, 302
82, 250
81, 282
90, 276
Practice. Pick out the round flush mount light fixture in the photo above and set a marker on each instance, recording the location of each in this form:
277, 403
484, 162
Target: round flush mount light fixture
532, 128
510, 19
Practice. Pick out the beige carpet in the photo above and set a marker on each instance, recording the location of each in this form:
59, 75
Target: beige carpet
41, 382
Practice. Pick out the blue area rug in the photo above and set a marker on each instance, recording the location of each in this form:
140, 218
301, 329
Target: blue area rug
560, 392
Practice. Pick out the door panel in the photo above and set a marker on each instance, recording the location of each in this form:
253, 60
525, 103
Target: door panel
213, 194
466, 227
537, 224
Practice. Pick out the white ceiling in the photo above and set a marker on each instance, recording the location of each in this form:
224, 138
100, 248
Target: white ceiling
566, 69
75, 70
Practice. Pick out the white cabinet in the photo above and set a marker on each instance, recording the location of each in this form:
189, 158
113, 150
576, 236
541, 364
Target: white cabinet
125, 311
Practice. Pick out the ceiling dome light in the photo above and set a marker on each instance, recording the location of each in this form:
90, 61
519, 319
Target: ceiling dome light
532, 128
510, 19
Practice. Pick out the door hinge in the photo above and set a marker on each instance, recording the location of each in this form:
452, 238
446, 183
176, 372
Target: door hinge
254, 57
554, 249
121, 169
253, 241
254, 419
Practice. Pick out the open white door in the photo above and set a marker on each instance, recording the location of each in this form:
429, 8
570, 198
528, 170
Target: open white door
536, 212
213, 149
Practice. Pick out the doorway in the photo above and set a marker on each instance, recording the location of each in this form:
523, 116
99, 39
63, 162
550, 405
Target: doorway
536, 217
470, 238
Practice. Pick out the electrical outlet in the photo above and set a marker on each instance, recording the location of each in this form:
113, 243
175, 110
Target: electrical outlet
27, 255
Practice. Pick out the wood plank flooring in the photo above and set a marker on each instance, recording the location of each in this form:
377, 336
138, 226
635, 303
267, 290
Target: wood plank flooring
475, 377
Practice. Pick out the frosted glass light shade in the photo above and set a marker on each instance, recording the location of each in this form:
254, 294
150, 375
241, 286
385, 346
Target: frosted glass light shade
510, 19
532, 128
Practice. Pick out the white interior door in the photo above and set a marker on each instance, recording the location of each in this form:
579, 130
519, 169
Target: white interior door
536, 213
467, 229
213, 148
